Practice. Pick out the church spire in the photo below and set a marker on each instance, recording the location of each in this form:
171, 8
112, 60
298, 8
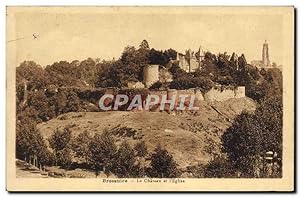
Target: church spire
265, 54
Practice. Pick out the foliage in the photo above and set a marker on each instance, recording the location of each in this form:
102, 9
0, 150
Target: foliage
29, 142
158, 57
252, 135
60, 139
141, 149
31, 73
103, 150
156, 86
184, 81
176, 71
81, 145
87, 71
124, 163
64, 157
144, 45
163, 164
73, 103
219, 167
39, 102
263, 84
60, 142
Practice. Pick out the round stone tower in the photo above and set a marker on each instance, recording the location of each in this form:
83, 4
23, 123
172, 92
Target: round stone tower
151, 74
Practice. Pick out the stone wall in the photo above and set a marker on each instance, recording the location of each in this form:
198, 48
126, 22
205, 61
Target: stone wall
222, 94
215, 94
193, 91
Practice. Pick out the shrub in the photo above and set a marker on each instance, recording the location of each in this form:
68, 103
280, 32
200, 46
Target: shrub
141, 149
156, 85
80, 146
103, 150
60, 142
163, 164
252, 135
124, 164
219, 167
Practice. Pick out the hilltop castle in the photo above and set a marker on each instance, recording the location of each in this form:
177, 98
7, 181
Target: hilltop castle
190, 61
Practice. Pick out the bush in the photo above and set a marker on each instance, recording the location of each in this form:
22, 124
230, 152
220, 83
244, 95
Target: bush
156, 85
80, 146
219, 167
124, 164
141, 149
163, 164
60, 142
103, 150
252, 135
30, 144
64, 158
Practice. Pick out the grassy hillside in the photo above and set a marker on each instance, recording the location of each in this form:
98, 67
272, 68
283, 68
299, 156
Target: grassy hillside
189, 137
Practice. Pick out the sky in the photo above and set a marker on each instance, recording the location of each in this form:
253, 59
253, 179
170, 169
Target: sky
70, 35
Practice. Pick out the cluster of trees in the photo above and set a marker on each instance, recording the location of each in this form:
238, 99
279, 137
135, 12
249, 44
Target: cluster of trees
43, 105
59, 74
246, 141
99, 153
102, 153
130, 65
183, 80
31, 146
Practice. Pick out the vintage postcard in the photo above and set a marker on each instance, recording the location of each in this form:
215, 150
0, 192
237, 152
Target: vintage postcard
150, 98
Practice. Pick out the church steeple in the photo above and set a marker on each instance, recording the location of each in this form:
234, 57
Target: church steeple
265, 54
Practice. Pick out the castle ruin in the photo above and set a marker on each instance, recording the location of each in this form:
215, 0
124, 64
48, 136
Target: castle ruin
190, 61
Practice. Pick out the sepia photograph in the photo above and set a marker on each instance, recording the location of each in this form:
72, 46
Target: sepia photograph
150, 98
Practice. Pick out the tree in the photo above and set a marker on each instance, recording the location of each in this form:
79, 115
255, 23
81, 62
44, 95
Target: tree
124, 165
156, 86
240, 142
242, 62
163, 164
141, 149
103, 150
184, 81
73, 102
176, 71
171, 54
158, 57
144, 45
63, 74
31, 72
133, 62
59, 102
60, 141
87, 71
31, 146
128, 68
204, 83
39, 102
64, 157
219, 167
252, 135
80, 146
